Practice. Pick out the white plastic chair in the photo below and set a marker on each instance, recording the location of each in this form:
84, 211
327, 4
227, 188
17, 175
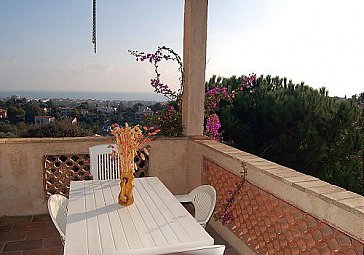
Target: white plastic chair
208, 250
203, 199
103, 165
58, 207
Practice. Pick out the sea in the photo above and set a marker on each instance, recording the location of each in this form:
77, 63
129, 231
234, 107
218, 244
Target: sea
124, 96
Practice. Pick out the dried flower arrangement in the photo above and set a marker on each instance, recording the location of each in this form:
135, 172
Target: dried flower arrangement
129, 141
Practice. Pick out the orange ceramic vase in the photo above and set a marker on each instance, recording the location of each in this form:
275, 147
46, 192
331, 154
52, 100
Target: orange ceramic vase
126, 188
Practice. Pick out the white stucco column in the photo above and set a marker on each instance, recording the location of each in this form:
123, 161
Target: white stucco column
194, 61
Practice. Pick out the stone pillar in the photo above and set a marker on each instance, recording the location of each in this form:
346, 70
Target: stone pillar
194, 60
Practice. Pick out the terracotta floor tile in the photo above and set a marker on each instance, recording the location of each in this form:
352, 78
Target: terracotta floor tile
41, 217
12, 236
37, 236
5, 228
23, 245
40, 233
33, 225
15, 219
45, 251
52, 242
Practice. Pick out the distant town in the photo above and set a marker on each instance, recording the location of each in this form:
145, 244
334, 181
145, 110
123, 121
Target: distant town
59, 117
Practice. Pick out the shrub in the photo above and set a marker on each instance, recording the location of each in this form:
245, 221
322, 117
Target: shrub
57, 129
168, 120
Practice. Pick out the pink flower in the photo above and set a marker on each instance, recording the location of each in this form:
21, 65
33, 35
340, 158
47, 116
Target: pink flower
213, 125
227, 218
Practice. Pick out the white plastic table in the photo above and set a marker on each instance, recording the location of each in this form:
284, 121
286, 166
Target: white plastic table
156, 222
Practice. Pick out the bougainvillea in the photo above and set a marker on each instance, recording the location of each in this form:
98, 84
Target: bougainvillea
162, 53
247, 81
212, 126
212, 101
215, 96
169, 120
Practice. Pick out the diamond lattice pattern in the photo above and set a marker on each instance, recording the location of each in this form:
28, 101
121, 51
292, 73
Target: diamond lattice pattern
60, 170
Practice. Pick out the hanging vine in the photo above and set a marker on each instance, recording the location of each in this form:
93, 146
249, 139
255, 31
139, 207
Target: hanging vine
162, 53
225, 216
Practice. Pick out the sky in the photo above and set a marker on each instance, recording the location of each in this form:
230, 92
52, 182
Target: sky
46, 45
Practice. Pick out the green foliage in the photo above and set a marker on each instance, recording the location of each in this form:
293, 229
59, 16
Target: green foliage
157, 107
16, 114
7, 130
299, 127
168, 120
57, 129
7, 135
32, 110
6, 127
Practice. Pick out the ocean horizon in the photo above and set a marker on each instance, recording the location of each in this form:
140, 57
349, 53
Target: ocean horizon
100, 95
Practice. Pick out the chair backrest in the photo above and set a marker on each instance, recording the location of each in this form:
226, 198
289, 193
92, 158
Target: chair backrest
204, 199
207, 250
58, 207
103, 165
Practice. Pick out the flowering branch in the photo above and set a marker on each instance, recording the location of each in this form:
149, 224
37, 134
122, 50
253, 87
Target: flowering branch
226, 215
212, 126
162, 53
171, 117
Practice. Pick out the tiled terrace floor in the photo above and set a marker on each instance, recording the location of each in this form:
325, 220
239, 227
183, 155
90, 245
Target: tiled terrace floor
36, 235
29, 235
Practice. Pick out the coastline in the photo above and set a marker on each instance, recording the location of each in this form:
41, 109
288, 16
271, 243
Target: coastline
98, 95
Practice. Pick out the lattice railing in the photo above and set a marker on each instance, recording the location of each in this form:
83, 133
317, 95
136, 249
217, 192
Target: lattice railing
143, 166
60, 170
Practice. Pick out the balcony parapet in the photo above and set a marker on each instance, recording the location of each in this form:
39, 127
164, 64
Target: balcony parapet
22, 170
331, 204
55, 140
22, 164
